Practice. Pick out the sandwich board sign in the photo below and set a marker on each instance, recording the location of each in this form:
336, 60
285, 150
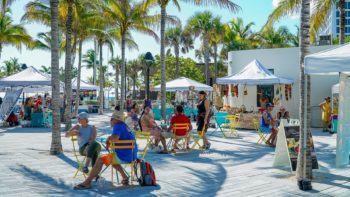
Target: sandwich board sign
287, 147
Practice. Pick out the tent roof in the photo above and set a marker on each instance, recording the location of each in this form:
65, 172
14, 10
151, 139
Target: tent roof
28, 77
331, 61
254, 73
183, 84
83, 85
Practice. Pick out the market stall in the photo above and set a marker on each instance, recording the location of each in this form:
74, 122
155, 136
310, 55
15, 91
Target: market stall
250, 89
336, 61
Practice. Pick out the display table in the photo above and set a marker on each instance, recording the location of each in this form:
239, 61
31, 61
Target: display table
246, 120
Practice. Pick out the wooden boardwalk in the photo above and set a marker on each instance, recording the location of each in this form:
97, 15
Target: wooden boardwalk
233, 167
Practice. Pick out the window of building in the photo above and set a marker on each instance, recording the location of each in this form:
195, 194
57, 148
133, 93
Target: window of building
337, 22
337, 30
337, 13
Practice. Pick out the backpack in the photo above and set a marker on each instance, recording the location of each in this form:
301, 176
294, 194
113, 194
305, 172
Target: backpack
147, 176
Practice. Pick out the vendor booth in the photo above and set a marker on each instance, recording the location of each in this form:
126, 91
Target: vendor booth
185, 92
250, 89
336, 61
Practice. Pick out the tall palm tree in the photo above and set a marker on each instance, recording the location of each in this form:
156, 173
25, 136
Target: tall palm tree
134, 68
270, 38
216, 38
304, 166
163, 6
11, 67
180, 41
88, 59
127, 16
116, 64
318, 18
238, 35
201, 25
56, 145
11, 34
43, 42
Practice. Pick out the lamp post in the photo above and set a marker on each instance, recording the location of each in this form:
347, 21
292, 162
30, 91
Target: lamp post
149, 61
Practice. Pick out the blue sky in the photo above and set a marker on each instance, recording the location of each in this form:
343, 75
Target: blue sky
256, 11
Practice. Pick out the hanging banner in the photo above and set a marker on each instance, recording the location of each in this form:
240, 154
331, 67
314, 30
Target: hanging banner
8, 103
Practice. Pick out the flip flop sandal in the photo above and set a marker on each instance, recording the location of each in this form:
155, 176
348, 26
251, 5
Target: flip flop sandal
81, 187
125, 182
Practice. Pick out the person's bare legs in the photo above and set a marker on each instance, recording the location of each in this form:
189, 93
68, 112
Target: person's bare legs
121, 171
163, 141
205, 139
94, 172
87, 162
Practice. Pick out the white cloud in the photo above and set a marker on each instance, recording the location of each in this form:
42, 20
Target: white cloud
275, 3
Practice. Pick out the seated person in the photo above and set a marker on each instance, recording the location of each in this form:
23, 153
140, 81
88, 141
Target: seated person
120, 132
12, 120
28, 105
282, 114
180, 118
267, 124
148, 124
133, 121
88, 145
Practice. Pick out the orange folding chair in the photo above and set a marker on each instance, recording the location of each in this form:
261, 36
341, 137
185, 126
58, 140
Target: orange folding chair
181, 141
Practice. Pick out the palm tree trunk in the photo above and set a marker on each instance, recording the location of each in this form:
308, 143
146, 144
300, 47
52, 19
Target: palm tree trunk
304, 168
101, 80
56, 145
206, 58
68, 66
74, 48
215, 62
77, 98
162, 63
122, 93
116, 83
341, 5
177, 61
94, 64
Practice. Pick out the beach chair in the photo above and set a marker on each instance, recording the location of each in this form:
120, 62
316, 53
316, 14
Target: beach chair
198, 135
262, 135
232, 121
80, 162
183, 139
294, 121
123, 144
144, 135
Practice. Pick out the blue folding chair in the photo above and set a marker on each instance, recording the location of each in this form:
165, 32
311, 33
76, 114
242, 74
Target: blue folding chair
37, 119
156, 113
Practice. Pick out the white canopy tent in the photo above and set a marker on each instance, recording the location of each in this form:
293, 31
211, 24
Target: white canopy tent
335, 89
254, 73
183, 84
83, 85
336, 61
29, 77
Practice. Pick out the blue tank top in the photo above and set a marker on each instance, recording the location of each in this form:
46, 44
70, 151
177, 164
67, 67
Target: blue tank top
262, 120
84, 135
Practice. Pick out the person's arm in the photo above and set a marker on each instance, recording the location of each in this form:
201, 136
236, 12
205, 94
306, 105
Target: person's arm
93, 134
321, 105
111, 139
266, 119
207, 110
73, 131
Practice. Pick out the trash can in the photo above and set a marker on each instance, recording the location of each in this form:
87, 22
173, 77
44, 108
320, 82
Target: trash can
334, 120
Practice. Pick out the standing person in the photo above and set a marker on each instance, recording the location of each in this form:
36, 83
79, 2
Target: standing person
88, 145
326, 113
148, 124
267, 124
28, 105
120, 132
128, 103
203, 117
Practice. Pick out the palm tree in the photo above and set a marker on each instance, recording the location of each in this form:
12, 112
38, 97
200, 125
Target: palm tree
89, 58
134, 68
43, 42
127, 16
275, 39
45, 69
163, 5
238, 36
179, 40
304, 166
201, 25
11, 66
116, 64
10, 34
216, 38
56, 145
318, 18
5, 4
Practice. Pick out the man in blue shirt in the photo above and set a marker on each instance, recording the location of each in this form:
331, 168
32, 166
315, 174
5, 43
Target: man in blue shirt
120, 132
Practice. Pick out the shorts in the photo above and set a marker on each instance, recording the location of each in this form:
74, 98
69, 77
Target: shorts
200, 124
265, 129
110, 158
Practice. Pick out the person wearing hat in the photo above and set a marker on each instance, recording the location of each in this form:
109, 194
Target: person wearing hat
120, 132
203, 117
88, 145
282, 114
326, 113
267, 124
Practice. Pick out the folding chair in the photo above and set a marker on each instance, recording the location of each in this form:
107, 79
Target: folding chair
222, 123
180, 138
196, 137
232, 121
80, 162
124, 144
262, 135
144, 135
